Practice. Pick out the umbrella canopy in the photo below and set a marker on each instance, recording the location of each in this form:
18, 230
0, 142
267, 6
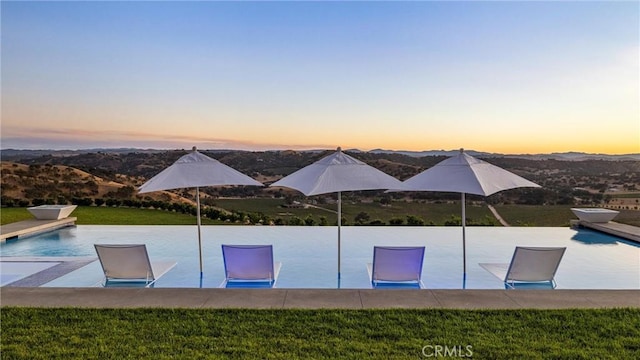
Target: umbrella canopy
466, 175
336, 173
196, 170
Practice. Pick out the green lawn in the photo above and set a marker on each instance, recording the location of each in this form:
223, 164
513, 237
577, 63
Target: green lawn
553, 215
432, 214
91, 215
29, 333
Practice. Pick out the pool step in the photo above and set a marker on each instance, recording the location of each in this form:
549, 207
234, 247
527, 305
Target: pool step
32, 227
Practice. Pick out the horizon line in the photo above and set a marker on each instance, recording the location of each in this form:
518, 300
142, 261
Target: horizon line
311, 149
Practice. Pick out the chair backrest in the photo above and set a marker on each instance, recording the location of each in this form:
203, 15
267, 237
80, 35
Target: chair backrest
397, 263
534, 263
248, 262
125, 261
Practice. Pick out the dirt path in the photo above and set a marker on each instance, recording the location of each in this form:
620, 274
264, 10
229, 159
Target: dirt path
321, 208
495, 213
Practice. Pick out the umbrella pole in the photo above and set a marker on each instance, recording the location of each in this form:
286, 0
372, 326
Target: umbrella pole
199, 236
464, 241
339, 224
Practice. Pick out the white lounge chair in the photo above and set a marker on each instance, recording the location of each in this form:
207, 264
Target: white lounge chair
129, 265
249, 266
396, 265
529, 265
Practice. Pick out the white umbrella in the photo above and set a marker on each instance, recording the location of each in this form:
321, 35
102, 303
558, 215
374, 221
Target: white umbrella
338, 172
196, 170
466, 175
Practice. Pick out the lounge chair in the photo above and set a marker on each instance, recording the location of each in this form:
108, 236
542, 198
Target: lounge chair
249, 266
129, 265
529, 266
396, 265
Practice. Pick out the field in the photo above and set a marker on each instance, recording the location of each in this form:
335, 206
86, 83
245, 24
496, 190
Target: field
533, 215
432, 214
429, 213
29, 333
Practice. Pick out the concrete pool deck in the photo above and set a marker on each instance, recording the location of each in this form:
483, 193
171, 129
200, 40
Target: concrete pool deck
315, 298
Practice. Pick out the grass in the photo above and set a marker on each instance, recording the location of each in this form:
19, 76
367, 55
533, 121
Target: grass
431, 213
91, 215
629, 217
553, 215
274, 208
533, 215
624, 196
31, 333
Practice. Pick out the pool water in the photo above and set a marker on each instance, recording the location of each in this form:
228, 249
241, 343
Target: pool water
309, 254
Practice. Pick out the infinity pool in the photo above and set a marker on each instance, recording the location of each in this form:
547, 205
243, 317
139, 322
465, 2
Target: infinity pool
309, 254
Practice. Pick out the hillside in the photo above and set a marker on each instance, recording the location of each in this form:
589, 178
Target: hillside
63, 184
103, 175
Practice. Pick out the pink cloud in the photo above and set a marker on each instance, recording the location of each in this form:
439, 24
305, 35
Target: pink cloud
48, 138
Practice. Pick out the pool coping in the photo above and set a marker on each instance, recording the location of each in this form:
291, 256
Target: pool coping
212, 298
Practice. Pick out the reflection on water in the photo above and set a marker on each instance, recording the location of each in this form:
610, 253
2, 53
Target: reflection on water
593, 238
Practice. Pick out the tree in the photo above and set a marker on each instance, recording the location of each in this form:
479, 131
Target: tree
309, 221
413, 220
455, 220
377, 222
296, 221
362, 218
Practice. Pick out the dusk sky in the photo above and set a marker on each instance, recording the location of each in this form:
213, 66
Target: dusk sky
506, 77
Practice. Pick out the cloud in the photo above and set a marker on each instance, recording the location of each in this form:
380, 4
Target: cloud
73, 139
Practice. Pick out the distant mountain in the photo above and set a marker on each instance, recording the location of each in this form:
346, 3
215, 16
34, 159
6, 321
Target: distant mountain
11, 154
577, 156
431, 152
567, 156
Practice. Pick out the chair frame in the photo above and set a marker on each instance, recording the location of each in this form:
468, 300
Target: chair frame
511, 280
377, 281
148, 280
269, 280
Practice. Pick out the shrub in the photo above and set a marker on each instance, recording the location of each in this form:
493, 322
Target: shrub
7, 201
295, 221
309, 221
413, 220
38, 202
